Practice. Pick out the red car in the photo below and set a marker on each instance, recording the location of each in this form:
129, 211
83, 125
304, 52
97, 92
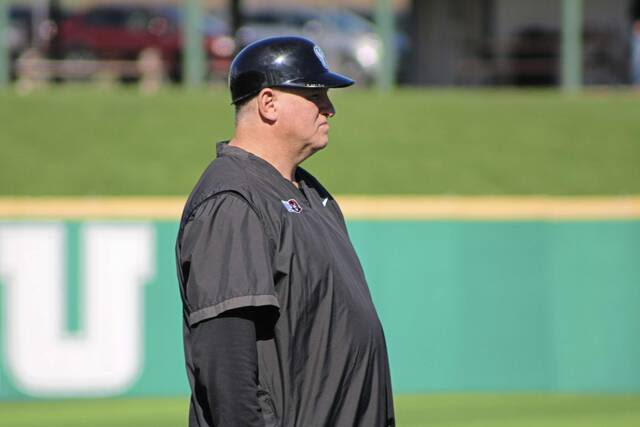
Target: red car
122, 32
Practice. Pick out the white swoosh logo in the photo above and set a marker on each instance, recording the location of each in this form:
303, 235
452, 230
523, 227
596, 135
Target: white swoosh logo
324, 202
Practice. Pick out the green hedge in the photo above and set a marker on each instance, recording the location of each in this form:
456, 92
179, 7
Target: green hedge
85, 140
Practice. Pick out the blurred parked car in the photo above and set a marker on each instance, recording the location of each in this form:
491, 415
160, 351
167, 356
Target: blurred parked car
401, 41
350, 42
534, 57
122, 32
19, 33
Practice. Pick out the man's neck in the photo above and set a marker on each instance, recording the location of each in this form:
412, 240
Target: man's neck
270, 153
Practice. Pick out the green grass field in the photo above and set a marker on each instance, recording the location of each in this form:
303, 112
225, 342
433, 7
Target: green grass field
526, 410
109, 141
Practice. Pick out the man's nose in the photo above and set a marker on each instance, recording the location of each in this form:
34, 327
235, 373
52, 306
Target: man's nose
327, 108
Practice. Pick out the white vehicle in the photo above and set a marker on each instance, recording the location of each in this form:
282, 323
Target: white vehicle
349, 41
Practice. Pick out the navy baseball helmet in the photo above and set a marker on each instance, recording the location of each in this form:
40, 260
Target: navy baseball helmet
289, 61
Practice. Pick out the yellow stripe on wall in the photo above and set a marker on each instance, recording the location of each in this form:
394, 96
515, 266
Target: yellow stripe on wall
354, 207
491, 208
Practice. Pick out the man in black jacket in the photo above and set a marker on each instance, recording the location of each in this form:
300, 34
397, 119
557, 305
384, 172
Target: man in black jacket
279, 326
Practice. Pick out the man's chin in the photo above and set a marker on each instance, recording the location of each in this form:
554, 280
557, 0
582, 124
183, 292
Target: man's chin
322, 145
314, 147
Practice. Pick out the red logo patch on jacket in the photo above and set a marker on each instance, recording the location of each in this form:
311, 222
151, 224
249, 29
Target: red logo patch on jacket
292, 206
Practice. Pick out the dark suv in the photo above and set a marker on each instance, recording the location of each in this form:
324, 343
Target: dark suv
121, 32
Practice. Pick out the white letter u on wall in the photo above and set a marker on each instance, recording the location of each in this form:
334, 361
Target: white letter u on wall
105, 357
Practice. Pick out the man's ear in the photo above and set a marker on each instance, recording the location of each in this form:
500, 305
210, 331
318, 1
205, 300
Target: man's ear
267, 105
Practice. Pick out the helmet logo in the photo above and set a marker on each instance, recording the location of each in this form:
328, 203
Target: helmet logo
320, 56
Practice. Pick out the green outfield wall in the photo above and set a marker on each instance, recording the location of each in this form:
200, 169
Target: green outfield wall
91, 308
